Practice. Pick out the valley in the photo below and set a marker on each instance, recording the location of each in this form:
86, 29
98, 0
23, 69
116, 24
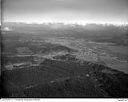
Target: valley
60, 64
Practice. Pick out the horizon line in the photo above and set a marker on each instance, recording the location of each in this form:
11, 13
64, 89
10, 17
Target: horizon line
83, 23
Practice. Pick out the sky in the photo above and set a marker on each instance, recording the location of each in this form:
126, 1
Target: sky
67, 11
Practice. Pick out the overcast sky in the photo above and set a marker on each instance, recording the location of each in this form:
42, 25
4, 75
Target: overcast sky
99, 11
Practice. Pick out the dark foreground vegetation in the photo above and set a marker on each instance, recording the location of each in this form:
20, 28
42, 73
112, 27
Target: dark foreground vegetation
65, 79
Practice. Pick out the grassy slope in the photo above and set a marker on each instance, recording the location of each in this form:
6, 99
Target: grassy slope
65, 79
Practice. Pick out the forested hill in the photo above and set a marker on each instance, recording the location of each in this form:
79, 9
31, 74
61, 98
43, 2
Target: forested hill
54, 78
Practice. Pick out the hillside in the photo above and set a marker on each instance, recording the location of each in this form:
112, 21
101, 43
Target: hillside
54, 78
